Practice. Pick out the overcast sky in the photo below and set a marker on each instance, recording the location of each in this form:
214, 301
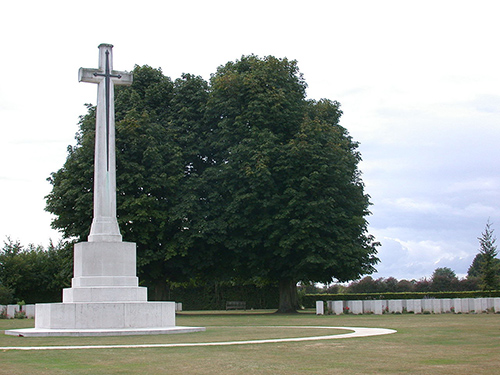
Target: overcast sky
418, 81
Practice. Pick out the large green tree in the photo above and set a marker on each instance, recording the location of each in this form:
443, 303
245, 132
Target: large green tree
285, 201
240, 178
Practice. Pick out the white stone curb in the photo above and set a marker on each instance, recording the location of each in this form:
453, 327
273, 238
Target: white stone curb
357, 332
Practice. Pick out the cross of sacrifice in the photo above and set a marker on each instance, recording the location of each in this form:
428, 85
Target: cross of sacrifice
104, 224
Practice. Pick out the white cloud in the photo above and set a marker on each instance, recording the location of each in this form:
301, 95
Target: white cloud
410, 259
418, 84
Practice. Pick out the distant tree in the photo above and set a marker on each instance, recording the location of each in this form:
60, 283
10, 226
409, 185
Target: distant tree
34, 274
308, 288
475, 269
444, 279
332, 289
367, 285
468, 283
390, 284
423, 285
489, 266
405, 286
5, 295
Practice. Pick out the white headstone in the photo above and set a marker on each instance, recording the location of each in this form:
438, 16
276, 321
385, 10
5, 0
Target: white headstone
320, 308
486, 304
395, 306
446, 305
378, 308
417, 306
436, 306
368, 306
335, 307
29, 310
457, 305
478, 305
356, 307
427, 305
496, 305
11, 310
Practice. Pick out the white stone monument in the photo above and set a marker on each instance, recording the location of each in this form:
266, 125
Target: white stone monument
105, 297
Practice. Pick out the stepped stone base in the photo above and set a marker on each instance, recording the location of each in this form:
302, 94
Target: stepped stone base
105, 315
104, 299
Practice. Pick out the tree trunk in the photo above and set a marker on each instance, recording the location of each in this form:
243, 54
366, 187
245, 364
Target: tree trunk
289, 300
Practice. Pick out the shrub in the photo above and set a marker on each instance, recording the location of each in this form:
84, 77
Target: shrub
20, 315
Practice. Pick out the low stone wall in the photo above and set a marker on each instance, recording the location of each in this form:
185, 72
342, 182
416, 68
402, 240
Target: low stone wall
416, 306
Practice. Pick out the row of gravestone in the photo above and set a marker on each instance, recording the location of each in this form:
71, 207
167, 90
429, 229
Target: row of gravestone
416, 306
13, 311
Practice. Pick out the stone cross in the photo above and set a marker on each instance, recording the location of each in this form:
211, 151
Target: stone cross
104, 224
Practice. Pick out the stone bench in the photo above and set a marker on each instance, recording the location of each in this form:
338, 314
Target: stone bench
236, 305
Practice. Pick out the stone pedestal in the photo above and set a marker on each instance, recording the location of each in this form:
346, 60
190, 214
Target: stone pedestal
105, 272
104, 299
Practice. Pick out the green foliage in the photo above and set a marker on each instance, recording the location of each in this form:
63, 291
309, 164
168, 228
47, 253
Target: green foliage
213, 296
285, 201
20, 315
488, 263
240, 178
443, 279
34, 274
5, 295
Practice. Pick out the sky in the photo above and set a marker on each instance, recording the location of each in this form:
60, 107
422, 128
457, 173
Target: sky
418, 82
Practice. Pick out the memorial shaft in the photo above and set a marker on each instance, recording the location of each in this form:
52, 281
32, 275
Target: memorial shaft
104, 224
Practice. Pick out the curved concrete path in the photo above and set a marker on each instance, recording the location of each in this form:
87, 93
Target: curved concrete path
357, 332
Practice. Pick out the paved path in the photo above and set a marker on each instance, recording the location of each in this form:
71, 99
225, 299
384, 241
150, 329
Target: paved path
357, 332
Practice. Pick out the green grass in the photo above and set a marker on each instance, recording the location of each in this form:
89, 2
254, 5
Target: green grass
424, 344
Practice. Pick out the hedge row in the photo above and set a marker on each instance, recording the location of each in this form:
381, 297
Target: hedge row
215, 296
309, 300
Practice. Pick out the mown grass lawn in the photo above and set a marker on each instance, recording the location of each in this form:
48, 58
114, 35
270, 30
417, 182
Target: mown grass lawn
424, 344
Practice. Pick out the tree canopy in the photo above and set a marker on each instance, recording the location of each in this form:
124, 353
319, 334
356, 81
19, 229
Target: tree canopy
240, 178
34, 274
